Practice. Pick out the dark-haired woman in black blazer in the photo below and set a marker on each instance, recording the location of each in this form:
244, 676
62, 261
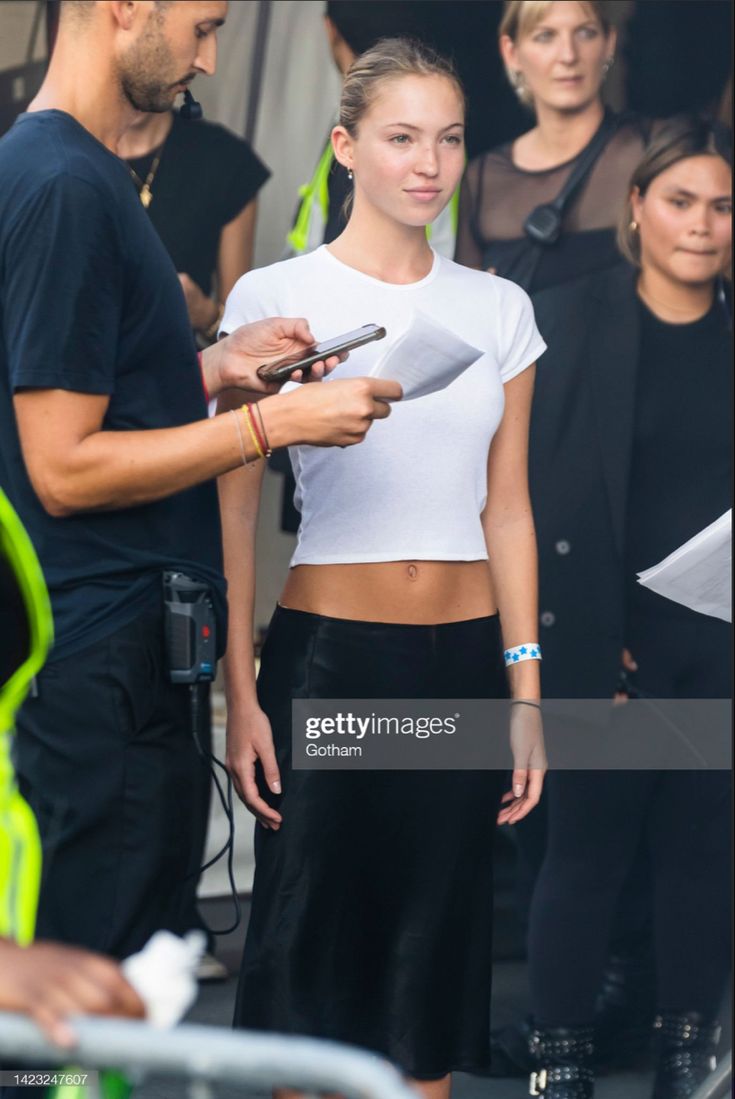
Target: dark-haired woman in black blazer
630, 457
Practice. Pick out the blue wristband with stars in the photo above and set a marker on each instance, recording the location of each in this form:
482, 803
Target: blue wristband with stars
531, 650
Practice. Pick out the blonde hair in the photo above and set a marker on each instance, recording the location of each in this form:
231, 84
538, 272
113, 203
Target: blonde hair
388, 59
521, 16
677, 139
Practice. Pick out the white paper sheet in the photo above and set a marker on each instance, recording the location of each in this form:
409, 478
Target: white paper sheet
699, 573
427, 357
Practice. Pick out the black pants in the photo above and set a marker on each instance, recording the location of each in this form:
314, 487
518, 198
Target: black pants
106, 758
597, 822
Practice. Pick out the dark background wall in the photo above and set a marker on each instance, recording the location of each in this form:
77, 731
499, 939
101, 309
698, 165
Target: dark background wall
675, 54
678, 55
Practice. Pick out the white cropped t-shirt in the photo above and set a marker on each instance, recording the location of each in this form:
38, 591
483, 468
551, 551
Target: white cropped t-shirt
416, 487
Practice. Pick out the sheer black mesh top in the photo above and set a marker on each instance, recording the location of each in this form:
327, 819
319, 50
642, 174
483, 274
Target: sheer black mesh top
497, 196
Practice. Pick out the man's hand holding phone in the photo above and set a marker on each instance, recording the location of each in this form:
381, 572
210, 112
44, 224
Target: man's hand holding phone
300, 363
233, 362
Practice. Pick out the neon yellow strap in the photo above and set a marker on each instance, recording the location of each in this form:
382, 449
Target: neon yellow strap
453, 210
20, 868
16, 547
316, 190
20, 848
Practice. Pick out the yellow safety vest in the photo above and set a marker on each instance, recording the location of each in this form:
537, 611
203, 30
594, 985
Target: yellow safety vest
20, 847
311, 220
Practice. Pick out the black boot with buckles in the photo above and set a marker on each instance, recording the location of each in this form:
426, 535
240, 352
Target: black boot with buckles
685, 1053
624, 1013
563, 1057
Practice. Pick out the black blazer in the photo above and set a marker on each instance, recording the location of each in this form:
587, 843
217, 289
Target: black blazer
579, 464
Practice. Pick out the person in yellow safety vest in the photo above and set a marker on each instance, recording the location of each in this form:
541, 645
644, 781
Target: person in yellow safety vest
351, 29
44, 980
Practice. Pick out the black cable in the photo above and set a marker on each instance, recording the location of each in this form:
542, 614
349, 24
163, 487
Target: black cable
229, 847
227, 806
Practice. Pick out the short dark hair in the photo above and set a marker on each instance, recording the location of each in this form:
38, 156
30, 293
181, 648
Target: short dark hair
677, 139
82, 9
79, 8
362, 23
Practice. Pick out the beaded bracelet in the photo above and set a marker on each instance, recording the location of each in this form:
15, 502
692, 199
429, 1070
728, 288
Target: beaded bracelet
531, 650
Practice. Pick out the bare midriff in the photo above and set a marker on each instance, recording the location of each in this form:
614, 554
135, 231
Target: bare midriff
422, 593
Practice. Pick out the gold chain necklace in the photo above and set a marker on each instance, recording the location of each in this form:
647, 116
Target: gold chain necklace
145, 194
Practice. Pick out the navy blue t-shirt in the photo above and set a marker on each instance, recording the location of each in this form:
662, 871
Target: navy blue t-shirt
90, 302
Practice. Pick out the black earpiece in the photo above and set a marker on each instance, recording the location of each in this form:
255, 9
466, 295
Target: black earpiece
190, 108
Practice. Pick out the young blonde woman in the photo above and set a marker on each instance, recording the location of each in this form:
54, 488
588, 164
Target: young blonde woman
372, 905
557, 56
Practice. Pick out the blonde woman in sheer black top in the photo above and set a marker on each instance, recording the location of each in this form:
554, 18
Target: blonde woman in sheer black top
557, 56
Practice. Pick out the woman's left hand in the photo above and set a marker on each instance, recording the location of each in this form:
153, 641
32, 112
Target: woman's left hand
530, 764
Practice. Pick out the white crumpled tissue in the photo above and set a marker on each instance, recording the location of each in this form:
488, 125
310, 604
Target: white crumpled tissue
163, 974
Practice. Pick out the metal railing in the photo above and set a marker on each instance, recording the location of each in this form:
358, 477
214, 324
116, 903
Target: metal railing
719, 1084
208, 1055
205, 1056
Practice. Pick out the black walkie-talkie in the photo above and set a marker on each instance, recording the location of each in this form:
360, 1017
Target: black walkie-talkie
190, 627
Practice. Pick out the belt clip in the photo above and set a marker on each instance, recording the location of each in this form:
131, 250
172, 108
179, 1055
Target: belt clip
538, 1083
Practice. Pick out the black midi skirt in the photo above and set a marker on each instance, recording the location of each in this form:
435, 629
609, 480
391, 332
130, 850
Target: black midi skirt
371, 918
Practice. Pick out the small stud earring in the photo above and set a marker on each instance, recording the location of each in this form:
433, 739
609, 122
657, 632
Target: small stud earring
518, 81
633, 226
349, 174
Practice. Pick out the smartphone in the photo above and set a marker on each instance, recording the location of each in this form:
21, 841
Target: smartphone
282, 369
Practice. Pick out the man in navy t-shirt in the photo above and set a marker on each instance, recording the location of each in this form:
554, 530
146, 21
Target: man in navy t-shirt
107, 455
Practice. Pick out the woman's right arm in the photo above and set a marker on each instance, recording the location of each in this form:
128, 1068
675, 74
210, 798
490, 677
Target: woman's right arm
249, 736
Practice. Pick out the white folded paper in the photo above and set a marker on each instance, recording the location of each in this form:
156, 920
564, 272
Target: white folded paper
427, 357
163, 974
699, 573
